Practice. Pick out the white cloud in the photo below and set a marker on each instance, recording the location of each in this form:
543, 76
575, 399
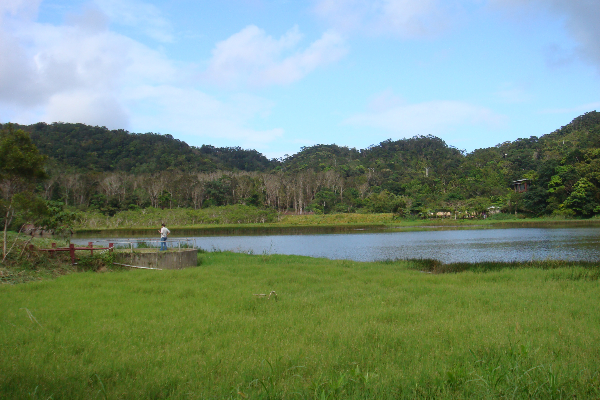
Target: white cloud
16, 83
253, 58
140, 15
84, 72
419, 18
26, 9
404, 18
197, 114
102, 109
580, 16
429, 118
75, 70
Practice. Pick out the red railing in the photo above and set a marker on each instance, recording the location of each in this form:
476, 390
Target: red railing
71, 249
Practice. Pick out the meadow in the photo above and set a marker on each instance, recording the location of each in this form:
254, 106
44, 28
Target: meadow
336, 329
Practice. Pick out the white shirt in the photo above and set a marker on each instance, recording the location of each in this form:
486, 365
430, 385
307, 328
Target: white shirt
164, 232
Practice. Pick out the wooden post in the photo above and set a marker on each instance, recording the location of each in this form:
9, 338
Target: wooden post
72, 251
110, 247
91, 246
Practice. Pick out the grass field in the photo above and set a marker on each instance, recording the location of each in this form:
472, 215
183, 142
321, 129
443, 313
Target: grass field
338, 329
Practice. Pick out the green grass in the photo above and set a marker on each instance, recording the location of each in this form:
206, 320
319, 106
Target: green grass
23, 265
584, 270
154, 217
339, 329
240, 219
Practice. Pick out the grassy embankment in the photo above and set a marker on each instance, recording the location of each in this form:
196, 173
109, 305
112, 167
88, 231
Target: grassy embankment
250, 219
339, 329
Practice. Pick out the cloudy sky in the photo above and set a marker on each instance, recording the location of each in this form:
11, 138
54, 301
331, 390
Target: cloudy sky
276, 75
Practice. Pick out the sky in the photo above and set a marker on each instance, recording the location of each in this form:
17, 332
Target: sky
277, 75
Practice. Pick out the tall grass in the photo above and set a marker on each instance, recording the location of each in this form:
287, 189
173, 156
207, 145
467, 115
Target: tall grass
154, 217
334, 219
255, 219
581, 269
23, 264
340, 329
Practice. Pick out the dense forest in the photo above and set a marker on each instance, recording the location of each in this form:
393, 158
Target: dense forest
112, 170
83, 148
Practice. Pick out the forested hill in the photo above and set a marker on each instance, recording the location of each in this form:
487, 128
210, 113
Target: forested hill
116, 170
97, 149
92, 148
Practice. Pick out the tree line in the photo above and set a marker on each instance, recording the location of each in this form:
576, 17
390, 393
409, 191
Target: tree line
109, 171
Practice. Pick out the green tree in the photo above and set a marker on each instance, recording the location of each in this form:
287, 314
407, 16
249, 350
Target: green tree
324, 201
386, 202
21, 165
478, 205
583, 198
58, 220
535, 200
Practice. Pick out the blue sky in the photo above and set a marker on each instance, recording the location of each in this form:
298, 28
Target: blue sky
276, 75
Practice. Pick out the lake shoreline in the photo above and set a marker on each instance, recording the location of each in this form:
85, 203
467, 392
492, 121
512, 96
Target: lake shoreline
324, 228
468, 243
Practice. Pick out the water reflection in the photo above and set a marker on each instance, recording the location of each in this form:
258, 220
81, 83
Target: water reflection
523, 244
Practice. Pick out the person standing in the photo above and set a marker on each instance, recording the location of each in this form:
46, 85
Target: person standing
164, 232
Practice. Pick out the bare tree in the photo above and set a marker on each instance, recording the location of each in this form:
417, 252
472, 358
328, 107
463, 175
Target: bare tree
155, 185
272, 185
69, 182
83, 188
288, 191
245, 184
49, 185
112, 185
333, 181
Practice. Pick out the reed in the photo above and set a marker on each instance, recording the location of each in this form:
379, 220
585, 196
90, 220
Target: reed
339, 329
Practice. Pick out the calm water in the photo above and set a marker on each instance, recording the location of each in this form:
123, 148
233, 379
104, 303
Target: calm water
522, 244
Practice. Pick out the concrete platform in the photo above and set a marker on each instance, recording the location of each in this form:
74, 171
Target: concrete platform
172, 259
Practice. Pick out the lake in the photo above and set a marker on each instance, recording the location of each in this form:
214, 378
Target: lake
476, 245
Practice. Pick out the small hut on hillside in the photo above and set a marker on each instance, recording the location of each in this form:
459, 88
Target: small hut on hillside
522, 185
